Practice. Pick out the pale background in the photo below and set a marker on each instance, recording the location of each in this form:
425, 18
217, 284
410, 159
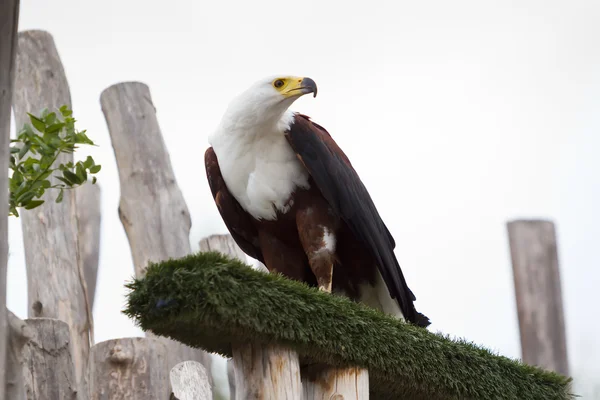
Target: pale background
458, 116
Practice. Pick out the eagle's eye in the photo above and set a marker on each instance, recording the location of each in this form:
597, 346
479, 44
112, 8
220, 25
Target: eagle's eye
278, 83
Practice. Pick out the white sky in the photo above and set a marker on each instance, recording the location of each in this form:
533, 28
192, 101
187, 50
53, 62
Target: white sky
458, 116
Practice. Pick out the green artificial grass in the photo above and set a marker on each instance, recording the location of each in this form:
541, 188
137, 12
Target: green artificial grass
208, 301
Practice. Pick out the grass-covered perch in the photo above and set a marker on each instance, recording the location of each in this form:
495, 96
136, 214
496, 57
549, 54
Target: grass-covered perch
207, 300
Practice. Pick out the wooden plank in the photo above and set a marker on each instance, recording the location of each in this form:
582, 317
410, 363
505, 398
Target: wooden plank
534, 255
19, 333
48, 365
260, 372
54, 279
88, 198
152, 208
330, 383
190, 381
9, 21
128, 369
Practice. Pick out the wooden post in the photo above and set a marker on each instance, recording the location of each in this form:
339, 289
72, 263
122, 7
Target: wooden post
226, 245
89, 221
152, 209
190, 381
19, 334
536, 275
9, 22
55, 281
260, 372
48, 366
128, 369
321, 382
266, 372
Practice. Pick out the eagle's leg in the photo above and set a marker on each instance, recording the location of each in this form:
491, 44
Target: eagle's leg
316, 230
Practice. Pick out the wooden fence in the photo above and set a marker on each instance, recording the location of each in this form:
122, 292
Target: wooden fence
52, 354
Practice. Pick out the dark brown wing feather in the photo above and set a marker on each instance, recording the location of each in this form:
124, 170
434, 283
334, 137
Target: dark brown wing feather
344, 191
238, 221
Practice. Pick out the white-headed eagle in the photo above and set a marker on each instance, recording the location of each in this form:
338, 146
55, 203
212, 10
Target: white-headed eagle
291, 199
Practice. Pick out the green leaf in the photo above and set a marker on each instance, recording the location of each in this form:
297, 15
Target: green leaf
29, 131
66, 181
95, 169
50, 119
34, 204
24, 149
25, 197
37, 123
80, 171
17, 177
65, 111
14, 150
60, 196
94, 180
46, 161
89, 162
71, 177
55, 127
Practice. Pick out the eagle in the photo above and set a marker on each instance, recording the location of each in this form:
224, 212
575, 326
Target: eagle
292, 200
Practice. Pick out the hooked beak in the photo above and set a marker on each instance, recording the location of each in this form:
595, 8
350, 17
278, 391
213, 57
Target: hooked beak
301, 87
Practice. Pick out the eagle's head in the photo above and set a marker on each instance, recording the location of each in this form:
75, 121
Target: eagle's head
268, 99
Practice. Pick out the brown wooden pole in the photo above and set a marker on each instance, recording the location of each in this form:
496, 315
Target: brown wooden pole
128, 369
55, 280
260, 372
9, 22
534, 255
152, 208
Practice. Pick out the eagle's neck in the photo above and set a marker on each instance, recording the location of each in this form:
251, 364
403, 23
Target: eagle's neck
258, 165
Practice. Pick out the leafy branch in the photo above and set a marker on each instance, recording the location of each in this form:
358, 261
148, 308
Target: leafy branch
47, 137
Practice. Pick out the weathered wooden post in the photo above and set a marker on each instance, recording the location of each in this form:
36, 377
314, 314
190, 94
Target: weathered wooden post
48, 365
261, 372
9, 22
152, 209
88, 221
55, 281
19, 334
538, 292
128, 369
190, 381
322, 382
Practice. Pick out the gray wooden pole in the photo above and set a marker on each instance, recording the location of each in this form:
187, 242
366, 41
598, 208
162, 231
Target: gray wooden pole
128, 369
48, 365
89, 220
190, 381
19, 334
152, 208
55, 280
534, 254
260, 372
9, 21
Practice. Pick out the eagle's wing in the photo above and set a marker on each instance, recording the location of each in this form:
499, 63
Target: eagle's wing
236, 219
344, 191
